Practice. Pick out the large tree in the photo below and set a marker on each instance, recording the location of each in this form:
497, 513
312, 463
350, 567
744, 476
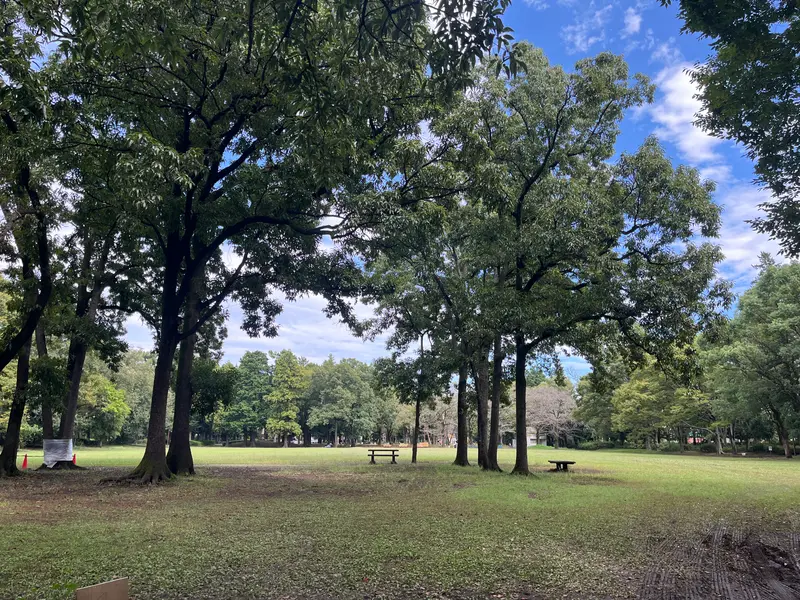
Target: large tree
578, 240
345, 401
756, 360
749, 88
248, 123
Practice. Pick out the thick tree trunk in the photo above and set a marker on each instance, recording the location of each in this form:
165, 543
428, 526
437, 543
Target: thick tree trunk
783, 434
76, 359
497, 382
86, 307
521, 463
153, 466
462, 443
30, 202
286, 440
482, 389
8, 457
47, 409
307, 436
718, 435
179, 456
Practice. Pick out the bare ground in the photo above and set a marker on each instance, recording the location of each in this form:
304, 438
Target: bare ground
729, 564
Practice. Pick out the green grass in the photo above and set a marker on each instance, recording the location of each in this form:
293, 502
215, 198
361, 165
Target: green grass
286, 523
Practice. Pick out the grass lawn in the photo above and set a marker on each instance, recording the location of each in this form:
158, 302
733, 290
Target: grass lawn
322, 523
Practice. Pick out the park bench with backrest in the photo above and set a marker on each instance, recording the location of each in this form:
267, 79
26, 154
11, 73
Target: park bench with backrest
562, 465
373, 452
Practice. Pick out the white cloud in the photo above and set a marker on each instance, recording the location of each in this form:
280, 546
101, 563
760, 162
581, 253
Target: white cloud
633, 22
537, 4
588, 29
304, 329
720, 174
674, 114
740, 243
667, 53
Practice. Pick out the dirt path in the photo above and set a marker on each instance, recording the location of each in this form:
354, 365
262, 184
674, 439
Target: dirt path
728, 564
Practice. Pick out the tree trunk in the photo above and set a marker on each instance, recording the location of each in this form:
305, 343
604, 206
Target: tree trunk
733, 440
153, 466
718, 434
286, 440
783, 434
497, 382
462, 443
75, 362
307, 436
416, 430
335, 435
47, 409
482, 389
521, 463
179, 456
86, 306
28, 194
8, 456
418, 407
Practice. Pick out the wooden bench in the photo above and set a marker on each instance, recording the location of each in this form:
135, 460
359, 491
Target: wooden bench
562, 465
373, 452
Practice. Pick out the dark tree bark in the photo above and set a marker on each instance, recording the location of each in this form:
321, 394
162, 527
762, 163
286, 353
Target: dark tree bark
482, 391
497, 382
179, 456
25, 188
521, 462
8, 456
47, 409
462, 445
306, 436
86, 307
153, 466
418, 407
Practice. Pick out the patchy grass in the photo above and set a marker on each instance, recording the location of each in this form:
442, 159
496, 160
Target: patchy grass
322, 523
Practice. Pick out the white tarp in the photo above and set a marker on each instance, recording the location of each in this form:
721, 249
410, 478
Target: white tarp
56, 450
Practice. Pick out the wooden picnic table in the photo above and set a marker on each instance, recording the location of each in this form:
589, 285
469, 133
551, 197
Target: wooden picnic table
373, 452
562, 465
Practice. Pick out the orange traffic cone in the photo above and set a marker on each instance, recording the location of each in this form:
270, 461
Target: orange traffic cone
25, 462
74, 462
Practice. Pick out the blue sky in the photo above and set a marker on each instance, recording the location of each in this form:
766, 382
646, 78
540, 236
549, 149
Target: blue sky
649, 38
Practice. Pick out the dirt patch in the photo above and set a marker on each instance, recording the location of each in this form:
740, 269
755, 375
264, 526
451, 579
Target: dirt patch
728, 563
462, 485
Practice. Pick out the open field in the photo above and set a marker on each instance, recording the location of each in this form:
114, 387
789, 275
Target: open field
322, 523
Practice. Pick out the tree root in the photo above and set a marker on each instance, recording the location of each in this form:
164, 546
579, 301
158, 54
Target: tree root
148, 472
62, 465
522, 472
14, 472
